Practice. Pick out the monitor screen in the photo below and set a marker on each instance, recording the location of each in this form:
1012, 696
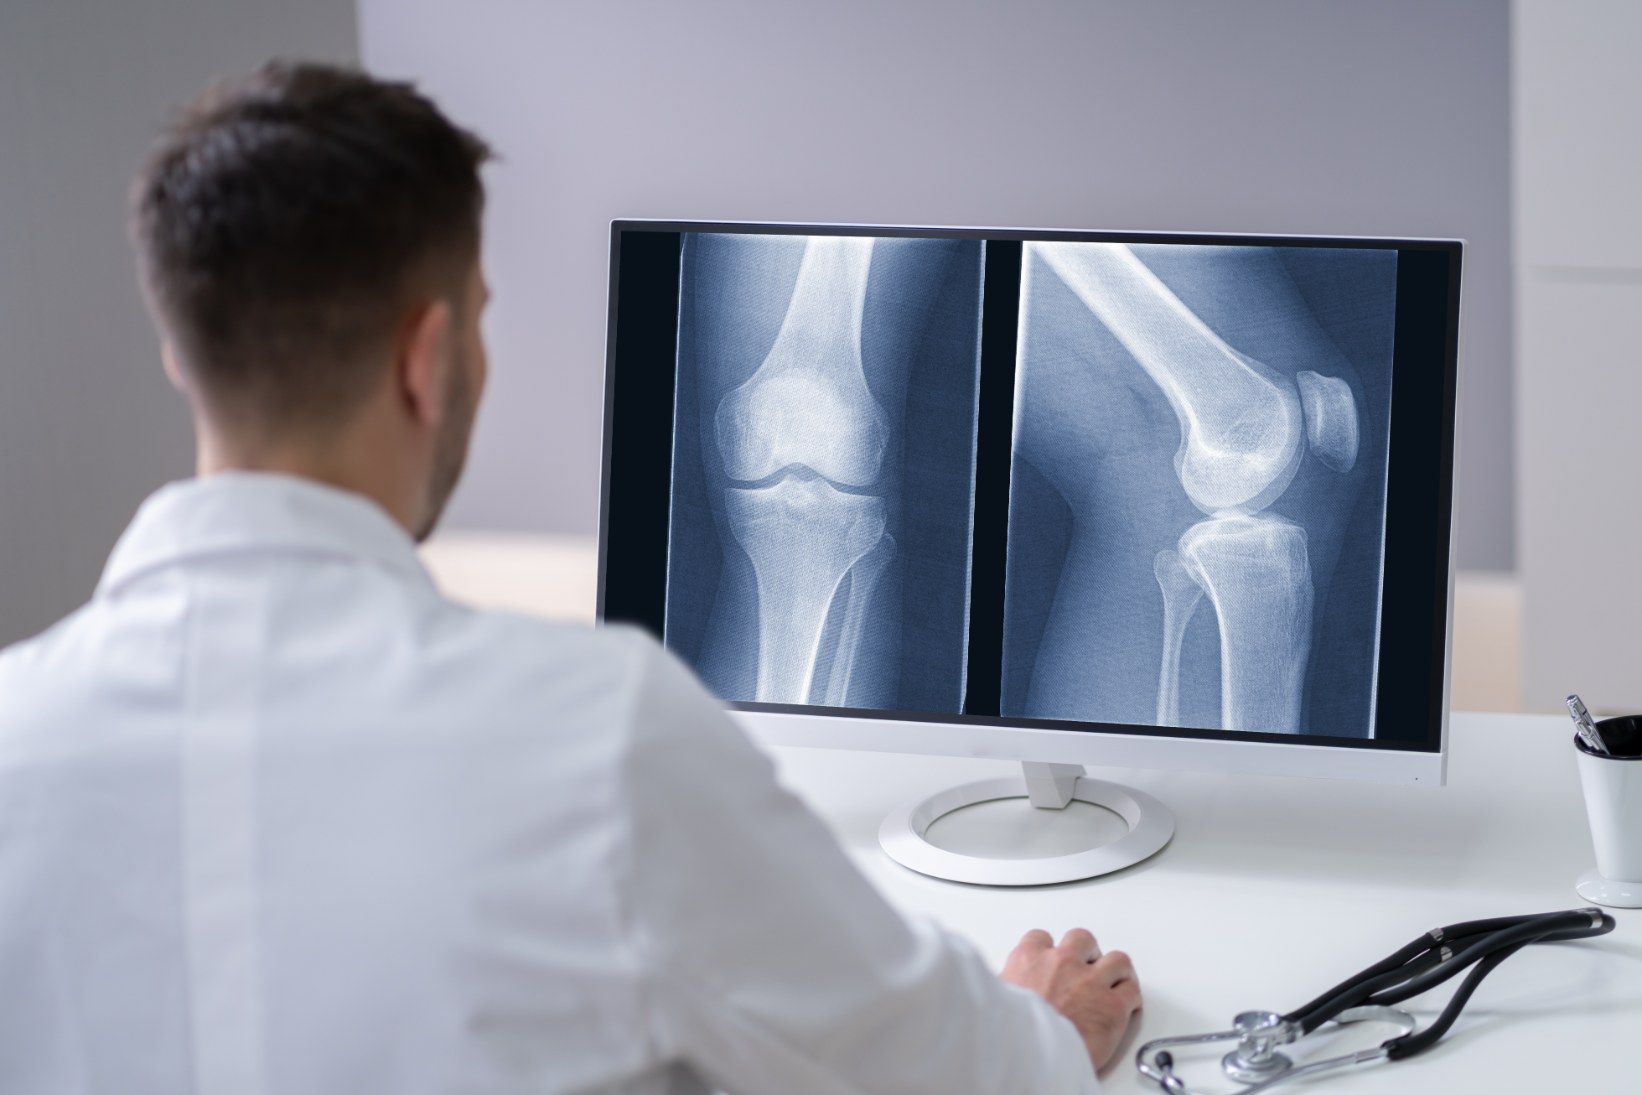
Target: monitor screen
1164, 484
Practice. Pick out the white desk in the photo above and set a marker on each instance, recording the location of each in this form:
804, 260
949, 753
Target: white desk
1274, 889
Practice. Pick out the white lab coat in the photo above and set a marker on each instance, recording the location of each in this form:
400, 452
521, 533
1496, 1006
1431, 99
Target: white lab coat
278, 819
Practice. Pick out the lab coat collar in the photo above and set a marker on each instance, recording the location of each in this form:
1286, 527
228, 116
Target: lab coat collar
234, 512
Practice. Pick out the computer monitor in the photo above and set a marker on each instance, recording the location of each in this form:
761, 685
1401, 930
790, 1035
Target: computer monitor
1115, 498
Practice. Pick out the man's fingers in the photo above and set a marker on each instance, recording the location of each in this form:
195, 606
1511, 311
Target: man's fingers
1115, 968
1079, 943
1128, 991
1037, 939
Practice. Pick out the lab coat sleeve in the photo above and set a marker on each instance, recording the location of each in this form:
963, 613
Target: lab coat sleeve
768, 961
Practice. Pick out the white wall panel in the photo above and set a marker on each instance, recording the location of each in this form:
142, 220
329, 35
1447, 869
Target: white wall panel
1578, 216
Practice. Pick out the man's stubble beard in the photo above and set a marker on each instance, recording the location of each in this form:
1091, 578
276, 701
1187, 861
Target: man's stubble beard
451, 449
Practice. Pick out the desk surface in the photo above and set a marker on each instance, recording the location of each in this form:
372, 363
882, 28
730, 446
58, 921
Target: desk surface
1274, 889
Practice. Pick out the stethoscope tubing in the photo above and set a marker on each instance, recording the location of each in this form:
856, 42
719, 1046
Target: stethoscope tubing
1423, 964
1421, 946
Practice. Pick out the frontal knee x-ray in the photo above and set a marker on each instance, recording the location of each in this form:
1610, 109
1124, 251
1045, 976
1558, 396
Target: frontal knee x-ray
823, 468
1197, 490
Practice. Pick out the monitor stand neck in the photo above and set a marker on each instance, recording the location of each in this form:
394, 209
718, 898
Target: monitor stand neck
1048, 787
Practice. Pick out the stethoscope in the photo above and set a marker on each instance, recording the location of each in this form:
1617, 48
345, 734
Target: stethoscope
1428, 961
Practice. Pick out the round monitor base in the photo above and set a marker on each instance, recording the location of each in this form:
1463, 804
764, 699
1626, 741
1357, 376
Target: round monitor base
1150, 823
1593, 887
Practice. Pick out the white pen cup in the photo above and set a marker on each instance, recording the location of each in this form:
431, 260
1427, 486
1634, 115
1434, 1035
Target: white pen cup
1613, 803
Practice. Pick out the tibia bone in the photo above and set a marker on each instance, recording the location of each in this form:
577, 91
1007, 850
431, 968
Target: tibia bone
863, 580
1181, 592
801, 536
1240, 426
1331, 418
1258, 578
807, 404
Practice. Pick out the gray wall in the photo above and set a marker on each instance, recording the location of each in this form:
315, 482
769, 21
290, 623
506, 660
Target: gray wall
1265, 115
88, 425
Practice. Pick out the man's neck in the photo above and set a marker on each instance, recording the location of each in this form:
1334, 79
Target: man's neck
332, 465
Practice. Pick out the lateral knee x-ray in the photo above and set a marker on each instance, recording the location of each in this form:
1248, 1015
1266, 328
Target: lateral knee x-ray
1198, 486
1195, 470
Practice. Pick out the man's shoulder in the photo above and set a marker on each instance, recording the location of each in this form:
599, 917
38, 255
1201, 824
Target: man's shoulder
531, 638
45, 678
45, 647
520, 652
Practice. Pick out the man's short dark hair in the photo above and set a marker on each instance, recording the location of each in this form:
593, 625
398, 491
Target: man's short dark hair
286, 221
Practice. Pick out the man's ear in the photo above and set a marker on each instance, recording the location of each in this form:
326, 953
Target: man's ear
425, 360
173, 367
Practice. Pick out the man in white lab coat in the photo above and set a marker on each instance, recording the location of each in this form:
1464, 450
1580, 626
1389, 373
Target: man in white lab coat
278, 819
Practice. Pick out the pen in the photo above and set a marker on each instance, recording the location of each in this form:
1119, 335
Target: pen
1583, 726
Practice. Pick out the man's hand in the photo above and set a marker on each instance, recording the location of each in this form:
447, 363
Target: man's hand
1098, 992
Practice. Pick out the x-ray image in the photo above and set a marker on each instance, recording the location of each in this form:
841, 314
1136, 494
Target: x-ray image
823, 468
1197, 488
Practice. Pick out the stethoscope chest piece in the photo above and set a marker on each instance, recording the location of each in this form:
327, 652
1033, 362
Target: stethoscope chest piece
1257, 1061
1256, 1058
